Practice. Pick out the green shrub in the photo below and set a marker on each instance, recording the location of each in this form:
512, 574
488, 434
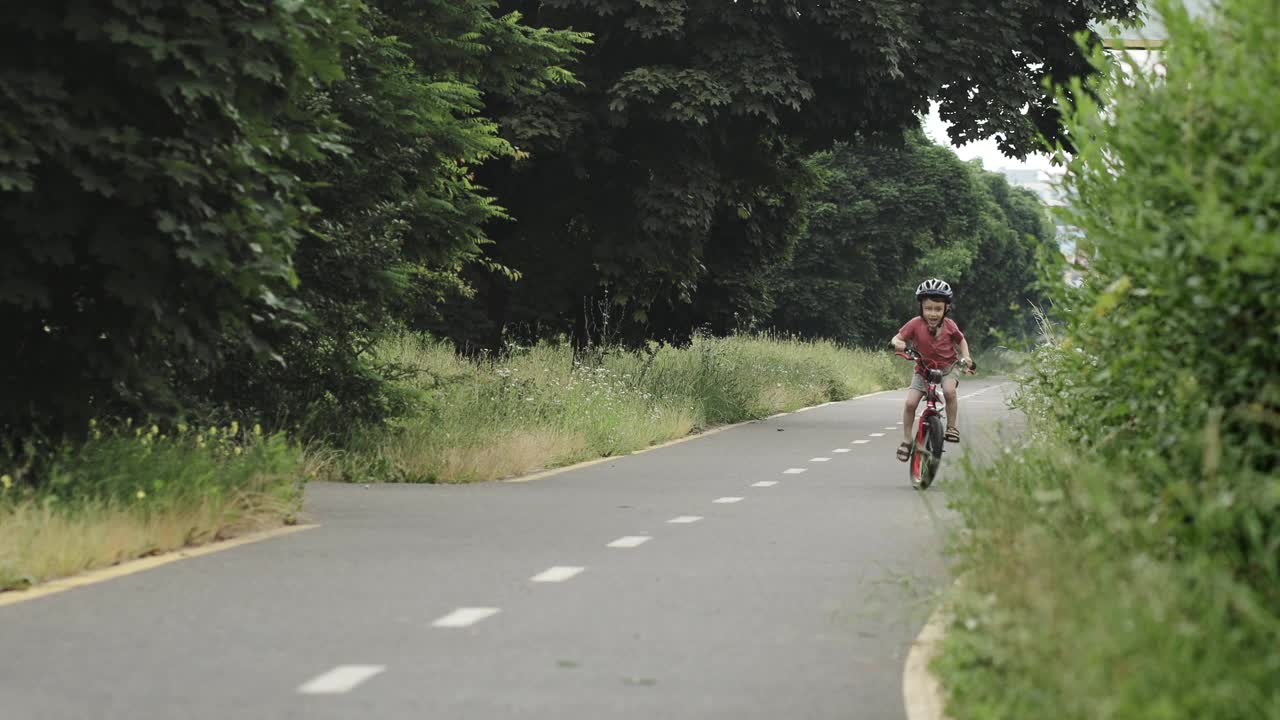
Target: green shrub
1128, 564
149, 194
1174, 335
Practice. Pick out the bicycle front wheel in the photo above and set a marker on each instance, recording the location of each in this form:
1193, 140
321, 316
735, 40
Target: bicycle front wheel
935, 437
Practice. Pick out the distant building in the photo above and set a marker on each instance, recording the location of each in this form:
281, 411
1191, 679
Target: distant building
1150, 34
1045, 185
1040, 182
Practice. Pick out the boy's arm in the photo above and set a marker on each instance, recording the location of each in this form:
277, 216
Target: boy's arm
964, 353
898, 343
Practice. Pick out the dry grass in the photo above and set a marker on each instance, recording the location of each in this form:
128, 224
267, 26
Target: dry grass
122, 496
41, 542
484, 458
540, 407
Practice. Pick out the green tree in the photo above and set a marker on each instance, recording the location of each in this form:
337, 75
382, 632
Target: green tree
885, 218
687, 121
399, 214
149, 191
1002, 284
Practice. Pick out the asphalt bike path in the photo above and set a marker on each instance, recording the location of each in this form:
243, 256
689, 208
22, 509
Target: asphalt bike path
777, 569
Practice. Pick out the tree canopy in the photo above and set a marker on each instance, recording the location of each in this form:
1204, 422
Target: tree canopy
224, 204
886, 217
691, 117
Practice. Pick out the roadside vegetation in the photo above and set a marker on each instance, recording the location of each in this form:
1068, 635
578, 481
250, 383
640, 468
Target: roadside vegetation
1127, 563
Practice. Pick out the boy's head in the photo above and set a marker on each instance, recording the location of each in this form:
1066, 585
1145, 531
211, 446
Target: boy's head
934, 296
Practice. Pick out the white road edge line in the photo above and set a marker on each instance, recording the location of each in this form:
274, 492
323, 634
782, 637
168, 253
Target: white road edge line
630, 541
558, 573
983, 390
921, 692
465, 617
341, 679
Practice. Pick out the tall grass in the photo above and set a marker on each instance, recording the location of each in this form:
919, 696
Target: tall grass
1083, 600
540, 408
131, 492
1127, 564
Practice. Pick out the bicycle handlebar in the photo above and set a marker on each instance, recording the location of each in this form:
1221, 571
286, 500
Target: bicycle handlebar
912, 354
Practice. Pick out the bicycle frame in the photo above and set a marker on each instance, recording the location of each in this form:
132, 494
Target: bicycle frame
922, 474
932, 379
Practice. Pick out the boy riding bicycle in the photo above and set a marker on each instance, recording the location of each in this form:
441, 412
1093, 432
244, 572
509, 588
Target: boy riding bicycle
937, 338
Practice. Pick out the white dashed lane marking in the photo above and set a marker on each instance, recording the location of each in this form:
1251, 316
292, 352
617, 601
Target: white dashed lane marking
630, 541
877, 434
793, 471
861, 442
559, 573
765, 483
465, 617
341, 679
840, 450
727, 500
684, 519
819, 459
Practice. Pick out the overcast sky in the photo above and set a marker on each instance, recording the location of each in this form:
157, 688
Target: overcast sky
992, 159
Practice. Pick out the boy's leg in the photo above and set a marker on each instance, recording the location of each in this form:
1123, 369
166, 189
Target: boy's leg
914, 397
949, 385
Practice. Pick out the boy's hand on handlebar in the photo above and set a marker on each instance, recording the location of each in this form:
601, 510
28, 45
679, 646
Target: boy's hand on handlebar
970, 367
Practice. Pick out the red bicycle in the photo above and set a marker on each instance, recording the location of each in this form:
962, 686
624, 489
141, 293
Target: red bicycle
927, 448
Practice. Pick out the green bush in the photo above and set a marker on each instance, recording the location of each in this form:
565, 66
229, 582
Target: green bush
129, 463
149, 194
1128, 565
1174, 336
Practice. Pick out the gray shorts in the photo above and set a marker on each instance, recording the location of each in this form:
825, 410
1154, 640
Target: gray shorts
917, 381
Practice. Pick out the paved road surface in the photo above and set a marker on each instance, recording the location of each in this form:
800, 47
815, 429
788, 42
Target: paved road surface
778, 570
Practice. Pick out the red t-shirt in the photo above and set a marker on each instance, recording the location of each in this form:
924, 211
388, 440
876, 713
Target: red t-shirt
939, 351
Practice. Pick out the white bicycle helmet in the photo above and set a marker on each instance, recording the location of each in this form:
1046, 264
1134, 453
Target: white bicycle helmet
934, 288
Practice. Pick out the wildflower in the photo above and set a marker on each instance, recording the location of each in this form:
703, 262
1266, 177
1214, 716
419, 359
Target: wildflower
235, 427
6, 481
141, 494
155, 430
182, 428
257, 429
237, 450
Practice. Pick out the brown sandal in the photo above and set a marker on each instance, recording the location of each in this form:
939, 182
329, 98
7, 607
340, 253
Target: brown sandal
953, 435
